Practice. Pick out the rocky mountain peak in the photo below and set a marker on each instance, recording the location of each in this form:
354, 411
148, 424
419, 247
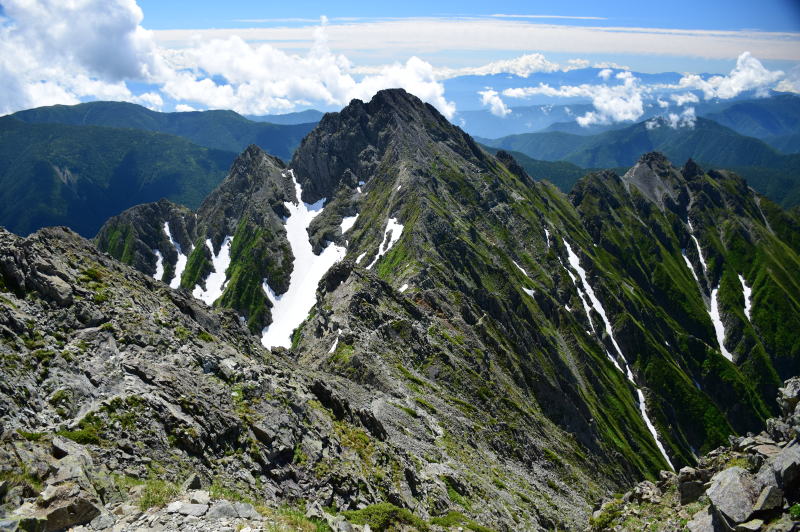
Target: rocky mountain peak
350, 146
657, 179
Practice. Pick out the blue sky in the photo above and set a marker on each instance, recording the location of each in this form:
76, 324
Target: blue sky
765, 15
259, 57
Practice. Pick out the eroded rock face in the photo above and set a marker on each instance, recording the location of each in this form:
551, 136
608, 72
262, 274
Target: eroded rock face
135, 381
733, 493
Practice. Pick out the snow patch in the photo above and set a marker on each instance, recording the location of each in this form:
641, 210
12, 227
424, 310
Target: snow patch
699, 250
180, 265
575, 263
334, 345
390, 237
520, 268
404, 287
291, 308
719, 327
585, 304
651, 427
689, 264
159, 265
528, 291
215, 282
348, 222
360, 258
748, 298
547, 237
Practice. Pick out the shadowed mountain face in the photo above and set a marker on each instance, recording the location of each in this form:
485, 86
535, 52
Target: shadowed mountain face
513, 352
54, 174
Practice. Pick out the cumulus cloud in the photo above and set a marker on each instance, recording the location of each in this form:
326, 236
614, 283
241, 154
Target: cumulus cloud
611, 64
58, 52
686, 119
748, 74
491, 98
605, 73
622, 102
684, 98
522, 66
91, 48
233, 74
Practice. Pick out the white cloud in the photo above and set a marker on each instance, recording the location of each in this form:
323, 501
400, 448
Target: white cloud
605, 73
613, 103
787, 85
399, 38
522, 66
611, 64
183, 108
260, 79
90, 48
151, 100
496, 105
59, 52
748, 74
684, 98
686, 118
662, 103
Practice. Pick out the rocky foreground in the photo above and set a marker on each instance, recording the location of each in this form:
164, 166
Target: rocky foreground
749, 486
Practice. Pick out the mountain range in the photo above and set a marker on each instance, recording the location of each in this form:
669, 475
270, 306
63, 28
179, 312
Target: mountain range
769, 171
79, 165
398, 327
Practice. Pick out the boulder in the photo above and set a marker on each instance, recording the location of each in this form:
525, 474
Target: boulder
23, 524
222, 510
195, 510
246, 511
69, 513
753, 525
786, 466
199, 497
690, 491
770, 498
703, 521
733, 493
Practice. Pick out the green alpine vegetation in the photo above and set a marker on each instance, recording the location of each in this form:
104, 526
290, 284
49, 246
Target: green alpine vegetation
770, 172
535, 349
79, 176
221, 130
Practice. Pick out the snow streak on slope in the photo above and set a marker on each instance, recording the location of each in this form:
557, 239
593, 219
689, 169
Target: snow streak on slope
159, 265
689, 265
719, 328
585, 305
713, 308
292, 307
215, 282
390, 236
748, 301
575, 263
403, 288
528, 291
348, 222
697, 244
180, 265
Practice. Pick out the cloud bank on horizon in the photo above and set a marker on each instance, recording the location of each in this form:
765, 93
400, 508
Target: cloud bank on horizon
52, 52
